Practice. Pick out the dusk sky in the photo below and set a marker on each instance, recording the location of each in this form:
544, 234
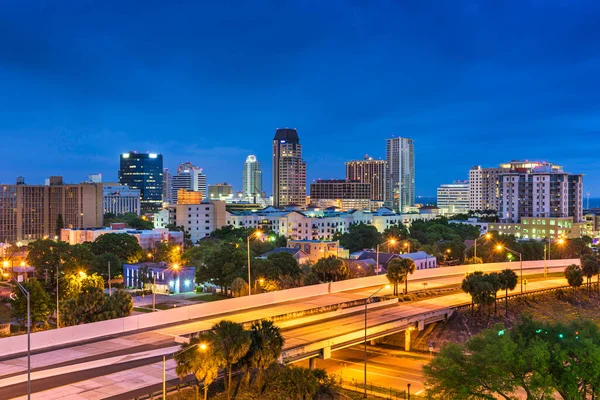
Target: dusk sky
472, 82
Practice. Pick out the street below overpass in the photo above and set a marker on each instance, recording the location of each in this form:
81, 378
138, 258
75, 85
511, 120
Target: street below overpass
386, 368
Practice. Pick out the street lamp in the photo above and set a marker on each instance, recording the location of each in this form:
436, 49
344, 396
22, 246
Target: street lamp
500, 248
407, 245
202, 346
26, 293
390, 241
559, 241
258, 234
487, 236
366, 303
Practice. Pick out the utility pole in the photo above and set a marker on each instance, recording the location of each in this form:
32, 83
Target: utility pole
109, 285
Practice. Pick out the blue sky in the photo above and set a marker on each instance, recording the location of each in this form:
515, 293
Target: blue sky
472, 82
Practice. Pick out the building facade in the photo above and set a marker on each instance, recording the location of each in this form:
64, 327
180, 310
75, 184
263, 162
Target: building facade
30, 212
369, 171
340, 193
166, 186
143, 171
120, 199
252, 178
188, 177
289, 169
543, 228
220, 191
169, 278
539, 190
146, 238
198, 220
400, 158
454, 197
483, 188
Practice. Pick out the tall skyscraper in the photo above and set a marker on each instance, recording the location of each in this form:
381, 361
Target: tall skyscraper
370, 171
166, 187
252, 178
188, 177
400, 157
289, 170
144, 171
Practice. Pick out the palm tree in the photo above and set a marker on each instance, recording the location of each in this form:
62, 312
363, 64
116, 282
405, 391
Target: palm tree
266, 343
589, 267
199, 358
408, 267
493, 280
394, 273
470, 285
507, 280
231, 344
574, 275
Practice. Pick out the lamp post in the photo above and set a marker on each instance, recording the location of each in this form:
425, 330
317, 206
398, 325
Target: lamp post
407, 245
257, 234
26, 293
390, 241
560, 241
201, 346
366, 303
500, 248
487, 236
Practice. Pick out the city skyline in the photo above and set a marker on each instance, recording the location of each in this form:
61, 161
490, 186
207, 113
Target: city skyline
358, 76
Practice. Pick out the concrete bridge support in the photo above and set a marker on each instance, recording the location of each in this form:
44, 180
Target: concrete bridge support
312, 363
407, 340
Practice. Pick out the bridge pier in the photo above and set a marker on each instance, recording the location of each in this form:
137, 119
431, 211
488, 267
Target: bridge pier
373, 342
407, 340
326, 353
421, 325
312, 363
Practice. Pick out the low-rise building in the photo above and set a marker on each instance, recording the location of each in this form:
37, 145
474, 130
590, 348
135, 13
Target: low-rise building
198, 220
297, 253
422, 259
170, 278
146, 238
542, 228
317, 249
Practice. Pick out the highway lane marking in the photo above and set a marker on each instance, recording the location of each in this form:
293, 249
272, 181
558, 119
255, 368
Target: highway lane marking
376, 367
383, 375
48, 373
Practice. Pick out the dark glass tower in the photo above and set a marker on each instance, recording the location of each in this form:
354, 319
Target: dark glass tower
143, 171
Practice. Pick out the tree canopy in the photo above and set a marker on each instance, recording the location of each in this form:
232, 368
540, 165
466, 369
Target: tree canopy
531, 358
331, 269
124, 246
359, 236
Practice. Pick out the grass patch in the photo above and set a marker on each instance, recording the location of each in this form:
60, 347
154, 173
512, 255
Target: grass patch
208, 297
142, 309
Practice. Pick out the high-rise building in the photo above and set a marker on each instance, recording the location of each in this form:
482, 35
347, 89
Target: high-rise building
94, 178
369, 171
188, 177
454, 197
30, 212
143, 171
252, 177
400, 157
220, 191
166, 186
542, 190
289, 170
483, 188
340, 193
120, 199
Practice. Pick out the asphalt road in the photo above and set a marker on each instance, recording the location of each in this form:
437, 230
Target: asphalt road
385, 368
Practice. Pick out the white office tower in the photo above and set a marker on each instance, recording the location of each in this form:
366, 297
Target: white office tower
252, 178
400, 157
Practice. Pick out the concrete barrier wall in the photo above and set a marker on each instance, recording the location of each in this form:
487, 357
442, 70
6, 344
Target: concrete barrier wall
72, 334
